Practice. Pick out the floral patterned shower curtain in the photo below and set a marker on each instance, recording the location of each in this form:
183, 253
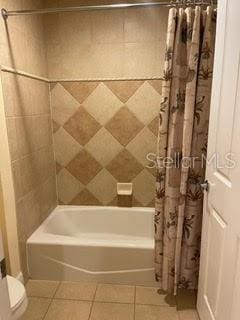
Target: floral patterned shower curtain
182, 142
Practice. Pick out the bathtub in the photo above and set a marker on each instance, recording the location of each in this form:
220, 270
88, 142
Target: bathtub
100, 244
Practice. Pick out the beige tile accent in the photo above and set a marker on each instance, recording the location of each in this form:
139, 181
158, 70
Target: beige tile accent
153, 126
143, 312
124, 167
188, 315
82, 126
63, 104
103, 186
37, 308
142, 145
123, 89
85, 198
144, 187
42, 288
186, 299
76, 291
103, 146
157, 85
68, 186
80, 90
55, 126
58, 167
66, 309
115, 293
112, 311
65, 147
84, 167
145, 103
150, 295
136, 203
124, 126
102, 104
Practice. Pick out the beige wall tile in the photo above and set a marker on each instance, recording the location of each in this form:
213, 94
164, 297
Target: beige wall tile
145, 103
124, 167
103, 147
63, 104
107, 26
103, 186
140, 25
84, 167
112, 43
82, 126
124, 126
144, 187
68, 186
142, 145
65, 147
102, 104
84, 198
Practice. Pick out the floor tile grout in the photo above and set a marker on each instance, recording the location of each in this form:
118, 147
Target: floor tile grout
90, 313
92, 301
51, 300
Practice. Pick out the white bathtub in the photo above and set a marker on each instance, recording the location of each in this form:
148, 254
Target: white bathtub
102, 244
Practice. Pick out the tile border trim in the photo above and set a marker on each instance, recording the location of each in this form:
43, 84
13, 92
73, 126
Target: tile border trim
44, 79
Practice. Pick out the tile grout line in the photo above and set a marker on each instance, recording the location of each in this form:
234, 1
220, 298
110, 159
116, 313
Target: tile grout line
134, 305
51, 300
94, 296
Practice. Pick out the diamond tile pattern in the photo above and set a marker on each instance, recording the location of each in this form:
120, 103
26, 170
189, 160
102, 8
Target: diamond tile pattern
82, 126
124, 126
102, 104
142, 145
124, 89
124, 167
84, 167
102, 133
145, 103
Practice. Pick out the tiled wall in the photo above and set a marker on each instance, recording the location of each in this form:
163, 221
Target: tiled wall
101, 44
30, 140
103, 132
27, 110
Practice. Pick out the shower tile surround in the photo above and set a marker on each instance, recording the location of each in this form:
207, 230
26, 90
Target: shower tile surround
103, 132
102, 145
28, 119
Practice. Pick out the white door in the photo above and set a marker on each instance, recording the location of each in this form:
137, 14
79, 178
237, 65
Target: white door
219, 282
4, 297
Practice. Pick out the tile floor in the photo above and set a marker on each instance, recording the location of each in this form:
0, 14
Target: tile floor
52, 300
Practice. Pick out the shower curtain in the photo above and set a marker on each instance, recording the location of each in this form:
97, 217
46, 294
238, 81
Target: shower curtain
181, 147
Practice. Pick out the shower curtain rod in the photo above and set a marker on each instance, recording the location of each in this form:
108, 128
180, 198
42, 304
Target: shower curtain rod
6, 13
